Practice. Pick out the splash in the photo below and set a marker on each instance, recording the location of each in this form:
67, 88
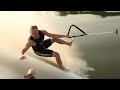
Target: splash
13, 68
72, 58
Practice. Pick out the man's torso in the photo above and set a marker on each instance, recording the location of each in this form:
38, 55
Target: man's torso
37, 42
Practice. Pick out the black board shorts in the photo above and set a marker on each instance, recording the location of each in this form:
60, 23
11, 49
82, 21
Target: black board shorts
45, 52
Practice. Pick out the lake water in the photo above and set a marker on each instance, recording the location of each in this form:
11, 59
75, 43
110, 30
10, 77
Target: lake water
100, 51
96, 55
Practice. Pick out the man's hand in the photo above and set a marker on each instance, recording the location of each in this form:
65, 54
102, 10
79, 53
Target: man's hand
23, 57
67, 36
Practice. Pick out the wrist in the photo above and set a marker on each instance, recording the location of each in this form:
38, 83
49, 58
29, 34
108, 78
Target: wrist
65, 35
22, 53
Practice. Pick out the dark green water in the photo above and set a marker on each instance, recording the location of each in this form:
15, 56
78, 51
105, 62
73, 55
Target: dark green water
102, 52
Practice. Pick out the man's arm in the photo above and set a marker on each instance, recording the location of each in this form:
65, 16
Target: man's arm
53, 35
27, 46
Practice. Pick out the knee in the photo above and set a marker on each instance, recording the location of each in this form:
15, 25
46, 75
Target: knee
55, 54
54, 39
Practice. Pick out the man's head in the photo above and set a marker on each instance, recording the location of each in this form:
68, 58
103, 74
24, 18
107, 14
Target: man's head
34, 31
30, 74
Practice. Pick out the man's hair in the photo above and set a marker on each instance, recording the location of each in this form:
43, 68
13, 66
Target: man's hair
29, 76
34, 27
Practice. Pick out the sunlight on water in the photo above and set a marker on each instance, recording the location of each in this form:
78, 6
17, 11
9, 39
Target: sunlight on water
14, 32
72, 58
17, 24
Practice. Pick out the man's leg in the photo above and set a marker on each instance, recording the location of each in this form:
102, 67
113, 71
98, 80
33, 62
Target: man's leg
58, 59
60, 41
51, 53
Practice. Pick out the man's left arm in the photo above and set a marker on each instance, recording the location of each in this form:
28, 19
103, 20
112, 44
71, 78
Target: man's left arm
53, 35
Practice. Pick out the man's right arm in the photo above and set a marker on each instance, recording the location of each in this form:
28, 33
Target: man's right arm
24, 50
27, 46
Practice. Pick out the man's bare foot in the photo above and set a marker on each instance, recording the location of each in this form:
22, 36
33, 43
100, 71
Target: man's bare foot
64, 69
70, 44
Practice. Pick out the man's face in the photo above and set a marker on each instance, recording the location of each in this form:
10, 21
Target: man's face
34, 33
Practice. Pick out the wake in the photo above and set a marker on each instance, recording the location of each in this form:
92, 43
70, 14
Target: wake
15, 68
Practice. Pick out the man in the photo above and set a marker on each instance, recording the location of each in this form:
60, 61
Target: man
40, 46
30, 74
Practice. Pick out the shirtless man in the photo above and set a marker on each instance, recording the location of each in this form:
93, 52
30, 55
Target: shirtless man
40, 46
